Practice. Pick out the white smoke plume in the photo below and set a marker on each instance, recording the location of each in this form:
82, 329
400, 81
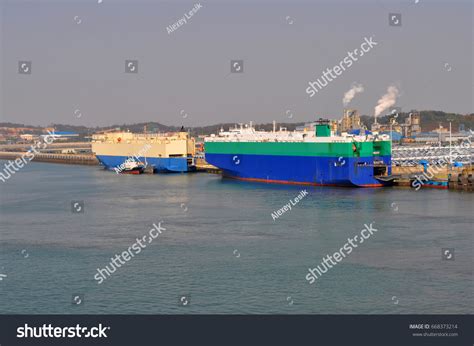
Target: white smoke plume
387, 100
349, 95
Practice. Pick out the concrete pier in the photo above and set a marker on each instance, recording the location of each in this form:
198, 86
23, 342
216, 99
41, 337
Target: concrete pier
462, 181
458, 178
203, 166
75, 159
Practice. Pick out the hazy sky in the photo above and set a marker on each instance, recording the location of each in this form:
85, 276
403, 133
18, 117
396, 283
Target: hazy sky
78, 51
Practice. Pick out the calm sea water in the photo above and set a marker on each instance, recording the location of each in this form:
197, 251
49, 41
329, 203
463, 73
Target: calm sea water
221, 248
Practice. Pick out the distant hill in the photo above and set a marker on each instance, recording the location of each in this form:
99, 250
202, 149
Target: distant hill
157, 127
18, 125
430, 120
139, 127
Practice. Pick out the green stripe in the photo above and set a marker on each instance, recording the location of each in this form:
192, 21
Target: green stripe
298, 149
384, 147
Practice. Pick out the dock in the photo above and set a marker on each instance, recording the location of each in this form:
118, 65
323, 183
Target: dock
203, 166
89, 159
74, 159
454, 178
461, 181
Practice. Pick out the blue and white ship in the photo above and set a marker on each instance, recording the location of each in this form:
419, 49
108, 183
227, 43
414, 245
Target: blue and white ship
167, 152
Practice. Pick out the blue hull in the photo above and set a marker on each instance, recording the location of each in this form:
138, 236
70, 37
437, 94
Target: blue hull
305, 170
159, 164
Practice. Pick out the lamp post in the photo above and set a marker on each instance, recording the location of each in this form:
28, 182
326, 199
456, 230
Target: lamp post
450, 146
393, 121
390, 120
450, 141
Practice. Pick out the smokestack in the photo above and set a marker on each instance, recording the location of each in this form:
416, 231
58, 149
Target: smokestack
386, 101
349, 95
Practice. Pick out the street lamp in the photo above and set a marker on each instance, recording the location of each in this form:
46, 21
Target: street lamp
450, 141
393, 121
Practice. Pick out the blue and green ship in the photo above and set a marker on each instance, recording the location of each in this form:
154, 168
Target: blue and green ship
305, 158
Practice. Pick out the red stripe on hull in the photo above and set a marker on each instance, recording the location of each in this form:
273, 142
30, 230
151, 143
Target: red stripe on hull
258, 180
441, 187
131, 172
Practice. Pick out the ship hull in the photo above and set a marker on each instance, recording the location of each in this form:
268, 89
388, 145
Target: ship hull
172, 152
300, 170
134, 171
159, 164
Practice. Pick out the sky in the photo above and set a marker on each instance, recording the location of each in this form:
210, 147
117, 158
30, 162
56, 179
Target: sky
78, 50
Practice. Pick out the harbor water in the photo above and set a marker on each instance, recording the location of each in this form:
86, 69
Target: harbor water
221, 248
